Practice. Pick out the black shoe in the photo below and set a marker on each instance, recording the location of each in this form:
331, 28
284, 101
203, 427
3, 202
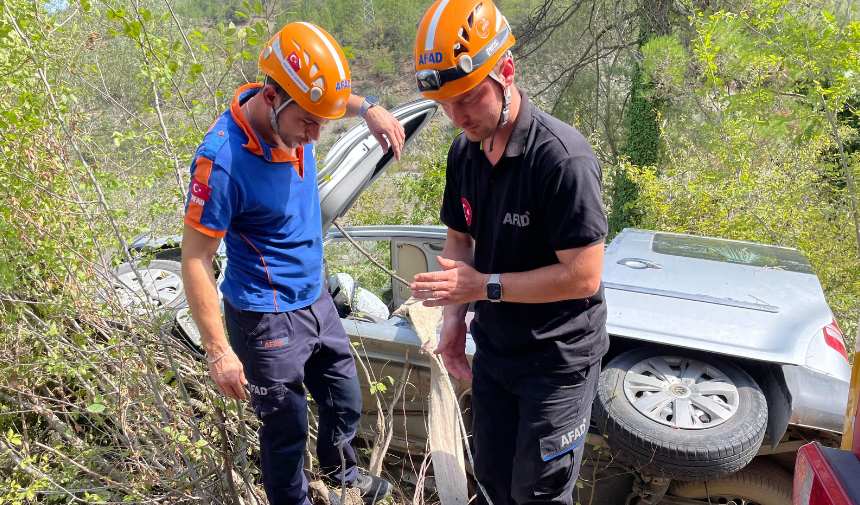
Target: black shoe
372, 488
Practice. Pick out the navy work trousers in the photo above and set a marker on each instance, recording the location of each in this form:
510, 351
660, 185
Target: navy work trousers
529, 430
280, 351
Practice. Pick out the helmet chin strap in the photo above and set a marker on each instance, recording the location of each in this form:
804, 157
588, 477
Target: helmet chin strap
506, 107
273, 115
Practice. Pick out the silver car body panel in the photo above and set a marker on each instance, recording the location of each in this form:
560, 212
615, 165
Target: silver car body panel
766, 315
356, 160
815, 398
738, 310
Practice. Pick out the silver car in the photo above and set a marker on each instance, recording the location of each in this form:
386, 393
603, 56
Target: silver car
724, 355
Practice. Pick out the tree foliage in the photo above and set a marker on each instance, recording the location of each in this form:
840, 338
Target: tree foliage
758, 136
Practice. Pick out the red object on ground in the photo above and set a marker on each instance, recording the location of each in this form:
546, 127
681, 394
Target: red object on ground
825, 476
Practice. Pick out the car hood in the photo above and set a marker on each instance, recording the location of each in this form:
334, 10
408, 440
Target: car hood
735, 298
356, 160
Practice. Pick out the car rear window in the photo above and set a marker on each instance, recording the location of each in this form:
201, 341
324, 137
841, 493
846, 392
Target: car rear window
727, 251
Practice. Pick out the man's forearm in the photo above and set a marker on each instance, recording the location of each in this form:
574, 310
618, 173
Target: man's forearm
544, 285
202, 295
353, 105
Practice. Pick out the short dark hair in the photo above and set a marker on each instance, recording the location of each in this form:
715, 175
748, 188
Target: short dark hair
281, 91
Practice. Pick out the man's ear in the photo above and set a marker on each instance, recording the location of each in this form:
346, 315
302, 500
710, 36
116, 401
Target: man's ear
269, 94
508, 71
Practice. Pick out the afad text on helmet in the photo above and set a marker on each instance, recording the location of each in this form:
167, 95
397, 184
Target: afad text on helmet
430, 58
345, 84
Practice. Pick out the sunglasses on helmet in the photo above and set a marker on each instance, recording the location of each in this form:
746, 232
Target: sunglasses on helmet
432, 79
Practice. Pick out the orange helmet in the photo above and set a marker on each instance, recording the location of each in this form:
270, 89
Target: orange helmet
458, 44
311, 67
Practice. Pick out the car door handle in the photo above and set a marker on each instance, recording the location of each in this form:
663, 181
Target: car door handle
639, 264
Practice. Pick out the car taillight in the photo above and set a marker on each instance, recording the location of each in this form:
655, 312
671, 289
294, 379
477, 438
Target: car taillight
815, 483
833, 338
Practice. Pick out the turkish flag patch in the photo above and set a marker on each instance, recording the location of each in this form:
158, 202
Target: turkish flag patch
200, 190
293, 58
467, 211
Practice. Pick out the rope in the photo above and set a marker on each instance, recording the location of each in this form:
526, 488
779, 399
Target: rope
459, 412
367, 255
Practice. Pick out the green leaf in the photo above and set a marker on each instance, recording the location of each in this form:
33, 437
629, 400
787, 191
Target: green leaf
241, 14
247, 55
145, 14
253, 40
96, 408
579, 485
201, 443
258, 7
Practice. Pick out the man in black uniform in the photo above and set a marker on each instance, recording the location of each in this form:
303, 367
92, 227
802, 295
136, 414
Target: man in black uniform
525, 241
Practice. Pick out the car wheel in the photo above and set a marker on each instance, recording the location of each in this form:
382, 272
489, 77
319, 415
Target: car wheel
162, 286
680, 414
759, 483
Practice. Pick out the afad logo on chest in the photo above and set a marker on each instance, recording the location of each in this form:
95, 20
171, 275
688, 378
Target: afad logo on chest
426, 58
521, 220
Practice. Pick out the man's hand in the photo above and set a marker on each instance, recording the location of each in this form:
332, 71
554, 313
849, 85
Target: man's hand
457, 284
229, 376
452, 347
382, 124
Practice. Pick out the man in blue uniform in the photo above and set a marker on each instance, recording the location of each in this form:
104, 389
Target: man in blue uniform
254, 184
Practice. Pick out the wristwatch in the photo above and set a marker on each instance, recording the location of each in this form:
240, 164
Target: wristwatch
494, 288
369, 102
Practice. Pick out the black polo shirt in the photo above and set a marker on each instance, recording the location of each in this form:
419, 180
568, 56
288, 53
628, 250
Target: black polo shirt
542, 196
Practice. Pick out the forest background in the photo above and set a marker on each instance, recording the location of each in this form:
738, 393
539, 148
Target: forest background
734, 119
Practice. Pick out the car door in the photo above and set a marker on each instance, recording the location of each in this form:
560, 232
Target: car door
410, 256
356, 160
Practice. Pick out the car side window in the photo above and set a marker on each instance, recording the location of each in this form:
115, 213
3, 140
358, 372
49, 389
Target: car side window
344, 258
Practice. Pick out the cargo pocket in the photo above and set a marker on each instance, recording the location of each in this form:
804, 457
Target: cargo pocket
564, 439
558, 453
273, 356
267, 398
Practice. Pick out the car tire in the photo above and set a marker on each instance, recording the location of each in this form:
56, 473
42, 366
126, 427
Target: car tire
725, 439
759, 483
169, 295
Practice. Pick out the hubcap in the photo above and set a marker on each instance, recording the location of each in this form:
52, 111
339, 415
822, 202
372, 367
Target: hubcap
160, 288
681, 392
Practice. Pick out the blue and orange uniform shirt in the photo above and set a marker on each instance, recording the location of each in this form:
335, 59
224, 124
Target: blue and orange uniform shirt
265, 203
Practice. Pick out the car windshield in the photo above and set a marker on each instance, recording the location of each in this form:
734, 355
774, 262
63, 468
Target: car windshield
727, 251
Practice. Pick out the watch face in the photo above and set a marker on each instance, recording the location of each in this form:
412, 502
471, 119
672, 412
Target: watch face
494, 291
